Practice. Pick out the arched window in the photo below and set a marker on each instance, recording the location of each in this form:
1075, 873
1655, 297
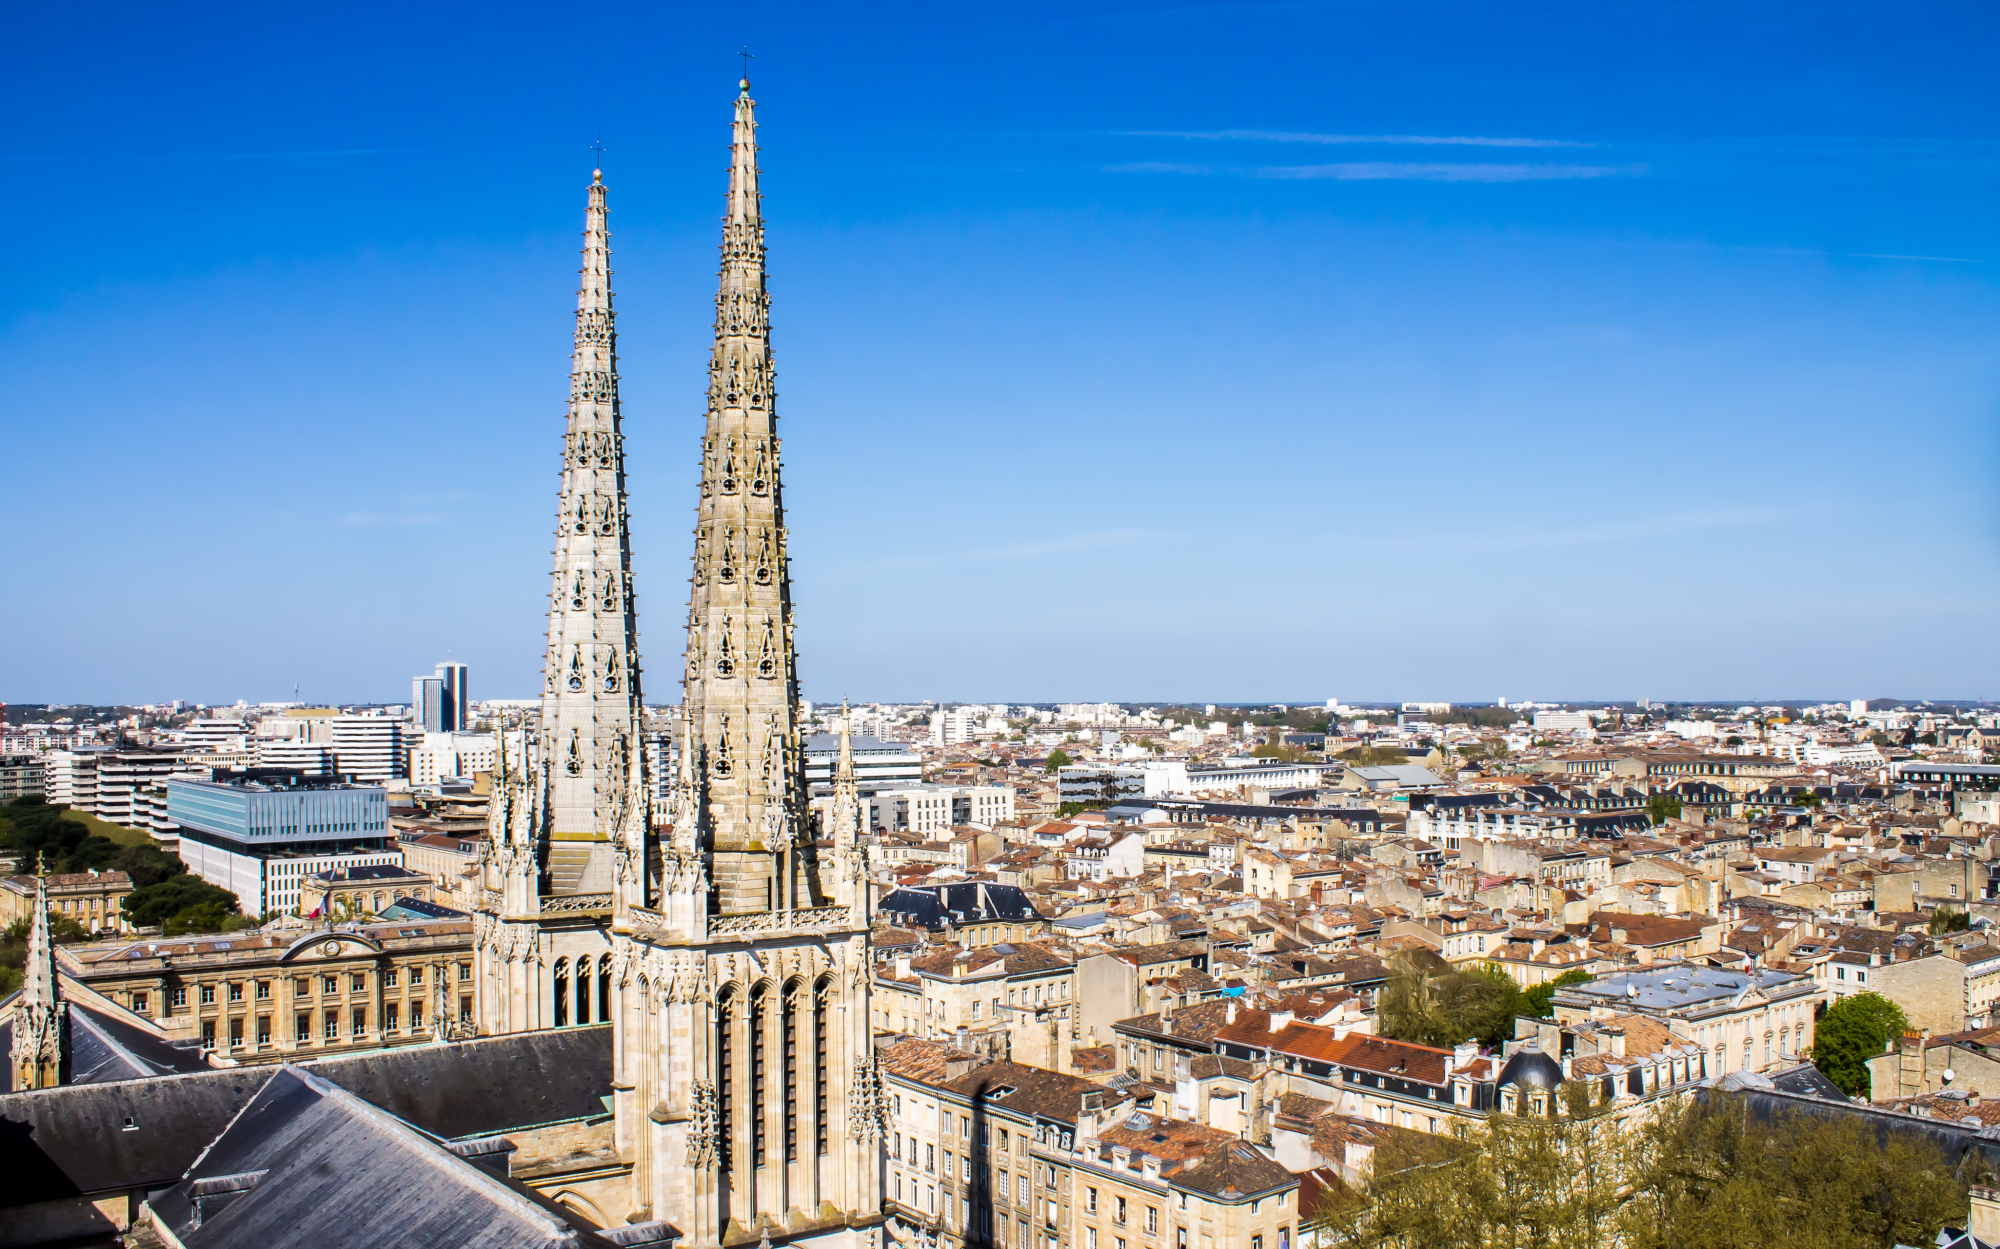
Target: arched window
759, 999
583, 989
725, 1078
604, 988
561, 993
794, 1003
820, 1085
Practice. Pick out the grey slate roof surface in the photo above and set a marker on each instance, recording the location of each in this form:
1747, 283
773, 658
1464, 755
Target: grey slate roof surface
104, 1047
308, 1163
75, 1137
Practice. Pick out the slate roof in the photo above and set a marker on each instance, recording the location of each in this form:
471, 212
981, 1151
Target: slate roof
91, 1138
937, 906
305, 1159
104, 1047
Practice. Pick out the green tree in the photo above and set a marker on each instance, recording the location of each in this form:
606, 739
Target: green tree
1852, 1031
1948, 919
1057, 758
208, 916
1664, 807
1428, 1001
1709, 1176
158, 903
14, 947
1540, 1000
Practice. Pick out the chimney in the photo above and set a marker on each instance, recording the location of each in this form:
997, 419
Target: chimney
1279, 1018
1615, 1037
1229, 1016
902, 966
1464, 1052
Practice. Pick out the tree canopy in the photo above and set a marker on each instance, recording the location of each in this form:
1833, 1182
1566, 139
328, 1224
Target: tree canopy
1691, 1176
1430, 1002
1852, 1031
1540, 1000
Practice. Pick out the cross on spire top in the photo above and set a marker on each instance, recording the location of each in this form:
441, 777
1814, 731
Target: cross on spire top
748, 56
597, 174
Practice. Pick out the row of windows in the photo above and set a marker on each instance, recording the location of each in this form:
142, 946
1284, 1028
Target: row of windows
302, 986
329, 1023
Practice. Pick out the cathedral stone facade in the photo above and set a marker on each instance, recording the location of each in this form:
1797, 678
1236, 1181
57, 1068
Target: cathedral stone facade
725, 938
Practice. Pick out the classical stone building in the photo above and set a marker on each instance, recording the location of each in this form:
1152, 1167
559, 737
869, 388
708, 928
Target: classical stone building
728, 941
286, 995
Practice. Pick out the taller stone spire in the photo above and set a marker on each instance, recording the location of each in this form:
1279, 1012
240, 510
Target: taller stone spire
592, 762
740, 797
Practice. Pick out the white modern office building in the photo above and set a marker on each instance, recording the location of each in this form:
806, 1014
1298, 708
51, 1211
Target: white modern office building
69, 778
260, 835
371, 749
876, 763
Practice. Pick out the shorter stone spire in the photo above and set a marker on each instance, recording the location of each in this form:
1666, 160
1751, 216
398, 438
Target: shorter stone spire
41, 1018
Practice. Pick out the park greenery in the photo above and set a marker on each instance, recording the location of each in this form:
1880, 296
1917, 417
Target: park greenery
1663, 807
1692, 1175
163, 893
1057, 758
1427, 1001
14, 947
1849, 1033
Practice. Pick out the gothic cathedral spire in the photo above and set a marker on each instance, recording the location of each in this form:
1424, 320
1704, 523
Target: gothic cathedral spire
591, 752
718, 979
566, 849
740, 796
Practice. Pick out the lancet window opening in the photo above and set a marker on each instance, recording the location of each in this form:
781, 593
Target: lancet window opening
793, 1002
758, 998
559, 1005
819, 1065
725, 1080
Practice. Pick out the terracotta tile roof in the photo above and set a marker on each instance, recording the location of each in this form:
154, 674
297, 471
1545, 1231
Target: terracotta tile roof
1399, 1058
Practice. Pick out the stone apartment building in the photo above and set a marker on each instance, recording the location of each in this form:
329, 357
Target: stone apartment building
1123, 983
1951, 990
1003, 1001
284, 996
1933, 882
979, 1150
90, 898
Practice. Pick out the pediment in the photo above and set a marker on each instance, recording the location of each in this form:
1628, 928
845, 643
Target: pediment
328, 946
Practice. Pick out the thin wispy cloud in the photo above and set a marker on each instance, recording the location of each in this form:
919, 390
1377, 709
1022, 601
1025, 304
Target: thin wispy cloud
1950, 260
1025, 550
1413, 171
1395, 171
1641, 529
1384, 140
382, 518
1157, 166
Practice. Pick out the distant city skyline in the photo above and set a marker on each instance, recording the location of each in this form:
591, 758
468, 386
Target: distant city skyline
1407, 352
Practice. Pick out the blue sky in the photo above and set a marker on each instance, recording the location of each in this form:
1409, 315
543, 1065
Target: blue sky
1189, 351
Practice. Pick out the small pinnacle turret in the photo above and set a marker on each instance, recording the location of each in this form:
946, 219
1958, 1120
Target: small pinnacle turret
40, 1052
